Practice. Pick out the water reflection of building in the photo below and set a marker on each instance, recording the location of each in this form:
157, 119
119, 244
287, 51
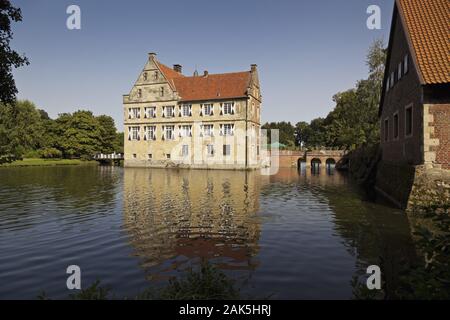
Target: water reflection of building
175, 218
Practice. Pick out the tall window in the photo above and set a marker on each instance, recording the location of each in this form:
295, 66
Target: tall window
134, 133
227, 108
151, 132
392, 79
208, 109
134, 113
150, 112
399, 71
208, 130
186, 110
408, 121
386, 130
396, 126
185, 150
169, 134
145, 76
161, 92
185, 131
228, 129
226, 149
155, 75
168, 111
210, 150
139, 93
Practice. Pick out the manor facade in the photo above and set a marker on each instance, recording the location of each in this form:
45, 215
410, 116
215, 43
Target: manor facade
200, 121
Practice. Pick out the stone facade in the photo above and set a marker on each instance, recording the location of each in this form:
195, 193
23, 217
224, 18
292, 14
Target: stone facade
166, 127
437, 135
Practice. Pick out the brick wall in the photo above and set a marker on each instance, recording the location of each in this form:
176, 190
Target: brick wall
441, 132
406, 92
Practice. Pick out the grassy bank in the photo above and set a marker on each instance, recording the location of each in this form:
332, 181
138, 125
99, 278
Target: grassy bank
47, 162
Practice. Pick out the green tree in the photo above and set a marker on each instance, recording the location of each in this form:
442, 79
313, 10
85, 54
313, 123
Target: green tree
81, 134
8, 57
21, 128
108, 134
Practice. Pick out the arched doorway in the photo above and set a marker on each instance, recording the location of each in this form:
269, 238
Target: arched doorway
330, 164
315, 166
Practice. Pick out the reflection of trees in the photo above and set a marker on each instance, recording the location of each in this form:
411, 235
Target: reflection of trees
61, 190
176, 218
374, 234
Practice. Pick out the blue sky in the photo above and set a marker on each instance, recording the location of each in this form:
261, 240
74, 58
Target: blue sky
306, 51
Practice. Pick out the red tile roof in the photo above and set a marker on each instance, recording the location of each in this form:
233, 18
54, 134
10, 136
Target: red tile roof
427, 23
210, 87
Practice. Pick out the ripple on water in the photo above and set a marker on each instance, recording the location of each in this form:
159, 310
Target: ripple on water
290, 235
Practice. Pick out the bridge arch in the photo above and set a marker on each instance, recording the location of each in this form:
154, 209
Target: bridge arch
316, 163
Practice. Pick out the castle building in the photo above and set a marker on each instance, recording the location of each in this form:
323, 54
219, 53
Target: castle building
209, 121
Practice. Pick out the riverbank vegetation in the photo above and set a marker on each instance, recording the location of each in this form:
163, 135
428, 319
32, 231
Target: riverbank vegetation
207, 283
29, 132
36, 162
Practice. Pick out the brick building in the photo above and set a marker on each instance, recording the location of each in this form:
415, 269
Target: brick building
200, 121
415, 103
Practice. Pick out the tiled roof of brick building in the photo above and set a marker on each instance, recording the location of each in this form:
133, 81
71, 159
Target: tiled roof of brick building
209, 87
428, 28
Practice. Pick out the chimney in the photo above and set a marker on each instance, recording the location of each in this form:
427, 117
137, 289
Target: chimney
253, 67
151, 55
205, 73
177, 67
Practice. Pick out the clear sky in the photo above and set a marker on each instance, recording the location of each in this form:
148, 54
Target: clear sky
306, 51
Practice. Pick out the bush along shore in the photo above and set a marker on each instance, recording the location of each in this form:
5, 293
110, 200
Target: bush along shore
34, 162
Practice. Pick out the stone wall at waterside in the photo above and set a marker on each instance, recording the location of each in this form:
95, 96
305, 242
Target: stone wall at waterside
430, 191
394, 182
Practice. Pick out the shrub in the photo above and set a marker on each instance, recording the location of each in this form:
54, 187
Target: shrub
50, 153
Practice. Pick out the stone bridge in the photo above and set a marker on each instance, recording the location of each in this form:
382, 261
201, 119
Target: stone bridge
321, 157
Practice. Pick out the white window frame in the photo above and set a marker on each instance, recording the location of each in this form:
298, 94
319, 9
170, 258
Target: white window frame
228, 129
167, 114
134, 133
134, 113
186, 110
208, 130
409, 106
172, 131
185, 130
150, 112
228, 108
150, 133
210, 150
208, 109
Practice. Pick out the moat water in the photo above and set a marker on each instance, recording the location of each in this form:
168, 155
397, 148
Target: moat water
293, 235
